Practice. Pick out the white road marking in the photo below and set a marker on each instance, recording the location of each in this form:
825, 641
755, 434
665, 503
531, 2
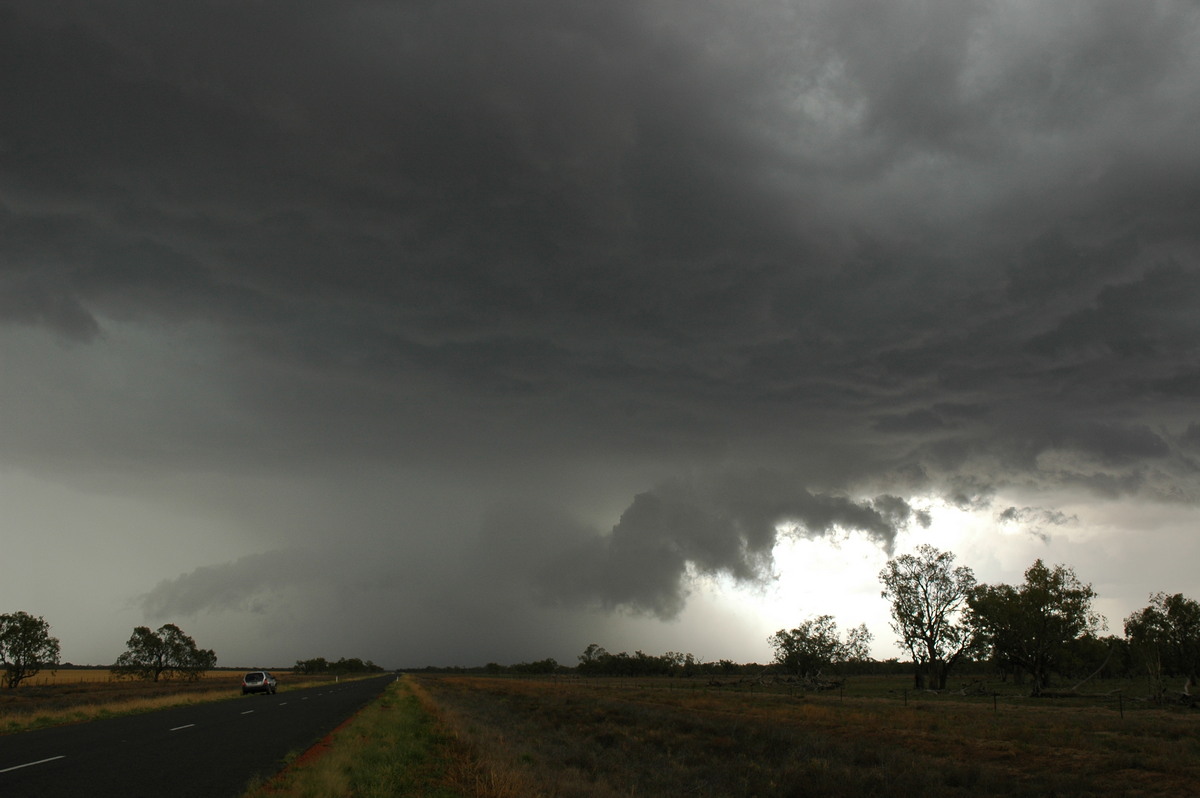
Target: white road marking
188, 726
248, 712
31, 764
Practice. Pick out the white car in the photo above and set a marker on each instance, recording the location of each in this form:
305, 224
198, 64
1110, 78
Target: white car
259, 682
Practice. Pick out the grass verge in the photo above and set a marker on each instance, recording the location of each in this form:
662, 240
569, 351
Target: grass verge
83, 712
394, 747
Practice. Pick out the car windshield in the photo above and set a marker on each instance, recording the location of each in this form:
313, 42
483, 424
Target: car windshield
254, 677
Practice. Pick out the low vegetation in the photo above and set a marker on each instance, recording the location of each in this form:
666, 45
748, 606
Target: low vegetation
392, 748
574, 737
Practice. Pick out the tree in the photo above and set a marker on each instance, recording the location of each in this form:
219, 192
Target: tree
928, 597
25, 647
163, 653
548, 665
314, 665
1166, 637
1033, 625
815, 645
593, 659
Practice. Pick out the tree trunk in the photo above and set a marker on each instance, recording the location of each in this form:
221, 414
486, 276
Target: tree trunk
939, 672
1041, 677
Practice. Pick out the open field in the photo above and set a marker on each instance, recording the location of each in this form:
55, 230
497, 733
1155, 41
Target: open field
593, 738
501, 737
80, 694
91, 675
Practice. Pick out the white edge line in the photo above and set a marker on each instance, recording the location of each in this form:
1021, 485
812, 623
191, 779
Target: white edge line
31, 764
177, 728
248, 712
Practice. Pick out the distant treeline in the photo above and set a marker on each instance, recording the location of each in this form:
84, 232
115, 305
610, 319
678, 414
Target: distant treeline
1105, 657
343, 665
641, 664
596, 661
1041, 628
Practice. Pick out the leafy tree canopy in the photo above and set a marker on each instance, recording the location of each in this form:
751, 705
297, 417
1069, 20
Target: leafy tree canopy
26, 647
1166, 637
815, 645
596, 661
1033, 624
343, 665
163, 653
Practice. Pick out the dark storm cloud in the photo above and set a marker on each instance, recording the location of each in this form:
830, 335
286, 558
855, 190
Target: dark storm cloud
677, 532
28, 299
603, 254
241, 585
1035, 520
1151, 317
527, 554
1037, 515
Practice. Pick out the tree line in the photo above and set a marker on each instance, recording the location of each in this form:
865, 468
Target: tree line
1043, 626
597, 661
945, 619
343, 665
27, 648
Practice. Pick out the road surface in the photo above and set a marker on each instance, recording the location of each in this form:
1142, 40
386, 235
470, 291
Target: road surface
210, 750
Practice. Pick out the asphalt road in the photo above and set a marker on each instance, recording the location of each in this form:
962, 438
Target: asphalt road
210, 750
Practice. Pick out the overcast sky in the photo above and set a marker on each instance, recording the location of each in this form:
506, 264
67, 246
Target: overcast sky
454, 331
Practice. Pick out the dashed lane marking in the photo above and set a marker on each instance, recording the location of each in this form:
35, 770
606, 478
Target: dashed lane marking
31, 764
187, 726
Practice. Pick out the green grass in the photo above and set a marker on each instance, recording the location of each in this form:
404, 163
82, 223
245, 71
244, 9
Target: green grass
391, 748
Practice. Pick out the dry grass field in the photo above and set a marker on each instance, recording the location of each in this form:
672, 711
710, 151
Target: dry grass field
80, 694
596, 739
93, 675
